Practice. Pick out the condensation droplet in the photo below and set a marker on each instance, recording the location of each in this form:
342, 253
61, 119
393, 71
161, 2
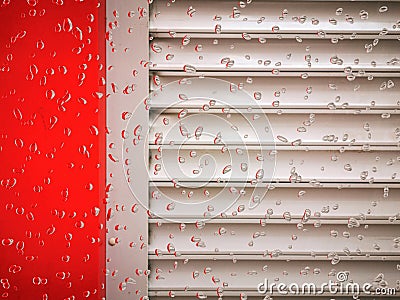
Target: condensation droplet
383, 9
257, 95
189, 69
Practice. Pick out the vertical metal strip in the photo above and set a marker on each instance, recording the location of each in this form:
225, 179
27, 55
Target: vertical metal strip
101, 46
127, 85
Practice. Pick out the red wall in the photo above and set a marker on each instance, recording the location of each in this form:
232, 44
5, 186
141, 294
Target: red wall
52, 145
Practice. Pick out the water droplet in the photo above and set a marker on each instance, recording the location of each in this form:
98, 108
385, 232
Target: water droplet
7, 242
185, 40
19, 143
301, 129
257, 95
198, 132
383, 9
262, 40
189, 69
282, 139
36, 280
156, 48
201, 295
94, 130
227, 169
348, 167
50, 94
260, 174
246, 36
67, 25
182, 113
275, 28
191, 11
301, 193
287, 216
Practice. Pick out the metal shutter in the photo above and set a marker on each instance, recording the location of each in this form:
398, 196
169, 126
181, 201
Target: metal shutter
307, 89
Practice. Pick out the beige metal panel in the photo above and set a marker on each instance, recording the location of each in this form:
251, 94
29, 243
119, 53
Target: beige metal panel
125, 280
244, 275
294, 92
323, 203
325, 72
231, 239
275, 56
262, 16
304, 166
238, 128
